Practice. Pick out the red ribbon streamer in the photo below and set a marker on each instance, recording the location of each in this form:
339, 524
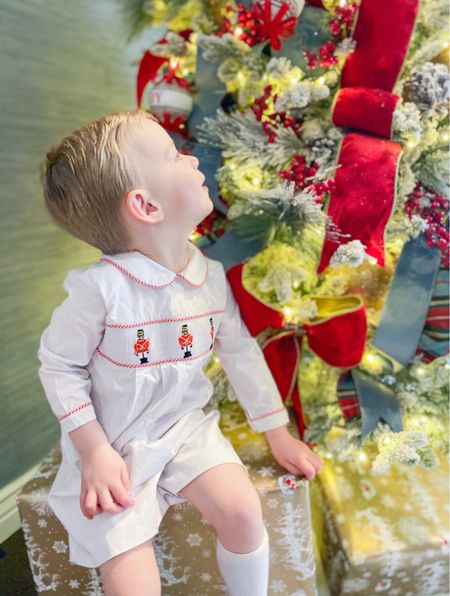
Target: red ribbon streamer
363, 195
362, 200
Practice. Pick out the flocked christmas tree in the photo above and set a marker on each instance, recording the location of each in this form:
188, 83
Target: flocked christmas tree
323, 132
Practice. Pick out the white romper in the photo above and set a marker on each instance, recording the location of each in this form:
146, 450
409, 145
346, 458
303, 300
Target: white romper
128, 347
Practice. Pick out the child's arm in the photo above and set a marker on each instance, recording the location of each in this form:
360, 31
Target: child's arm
75, 330
245, 366
247, 370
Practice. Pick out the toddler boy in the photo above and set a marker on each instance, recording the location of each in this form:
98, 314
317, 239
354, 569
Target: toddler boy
123, 357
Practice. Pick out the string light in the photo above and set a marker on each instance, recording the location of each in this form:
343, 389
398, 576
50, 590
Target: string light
287, 311
444, 137
420, 371
294, 80
362, 457
256, 181
173, 63
372, 260
295, 284
238, 31
321, 80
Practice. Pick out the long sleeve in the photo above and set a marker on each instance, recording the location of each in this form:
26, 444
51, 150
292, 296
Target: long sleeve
244, 364
66, 347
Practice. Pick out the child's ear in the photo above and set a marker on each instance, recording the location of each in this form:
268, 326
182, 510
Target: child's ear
140, 205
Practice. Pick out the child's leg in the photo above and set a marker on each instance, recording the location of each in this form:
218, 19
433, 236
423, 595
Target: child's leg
132, 572
228, 500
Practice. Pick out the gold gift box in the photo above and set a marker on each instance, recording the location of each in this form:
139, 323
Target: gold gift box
185, 544
385, 534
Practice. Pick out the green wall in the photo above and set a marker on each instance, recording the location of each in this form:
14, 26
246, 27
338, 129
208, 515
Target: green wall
61, 65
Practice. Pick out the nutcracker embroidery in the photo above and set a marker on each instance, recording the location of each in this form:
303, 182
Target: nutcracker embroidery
141, 346
211, 332
185, 340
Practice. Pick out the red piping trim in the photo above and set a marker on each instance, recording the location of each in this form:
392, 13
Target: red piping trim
130, 325
268, 414
148, 285
88, 403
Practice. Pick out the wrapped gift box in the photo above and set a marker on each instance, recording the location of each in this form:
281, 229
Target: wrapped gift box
185, 544
383, 534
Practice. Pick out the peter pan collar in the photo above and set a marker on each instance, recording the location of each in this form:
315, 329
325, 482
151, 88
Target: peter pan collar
148, 272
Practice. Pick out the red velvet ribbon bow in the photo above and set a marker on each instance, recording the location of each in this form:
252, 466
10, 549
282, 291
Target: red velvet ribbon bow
339, 340
275, 27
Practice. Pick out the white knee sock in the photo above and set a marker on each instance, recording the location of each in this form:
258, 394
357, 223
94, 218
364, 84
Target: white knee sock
245, 574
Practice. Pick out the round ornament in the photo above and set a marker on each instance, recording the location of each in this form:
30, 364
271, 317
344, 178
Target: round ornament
168, 97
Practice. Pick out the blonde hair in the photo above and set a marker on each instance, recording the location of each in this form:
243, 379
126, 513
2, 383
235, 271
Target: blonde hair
85, 176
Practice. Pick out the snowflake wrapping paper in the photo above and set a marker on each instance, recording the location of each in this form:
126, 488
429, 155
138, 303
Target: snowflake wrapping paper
385, 534
185, 544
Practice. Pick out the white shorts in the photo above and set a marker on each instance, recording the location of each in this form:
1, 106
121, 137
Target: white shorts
93, 542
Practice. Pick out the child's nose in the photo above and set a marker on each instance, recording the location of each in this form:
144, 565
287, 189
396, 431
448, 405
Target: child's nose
195, 160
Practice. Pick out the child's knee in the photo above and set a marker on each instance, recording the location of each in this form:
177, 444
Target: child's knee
242, 515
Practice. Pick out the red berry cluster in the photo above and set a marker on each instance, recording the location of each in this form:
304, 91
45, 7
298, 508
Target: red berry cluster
277, 119
214, 222
246, 21
433, 208
325, 57
340, 26
299, 172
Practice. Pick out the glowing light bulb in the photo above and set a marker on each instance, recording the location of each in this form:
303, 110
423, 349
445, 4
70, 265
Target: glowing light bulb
420, 371
444, 137
370, 357
423, 419
173, 63
321, 80
238, 31
287, 311
372, 260
410, 144
362, 456
294, 80
399, 241
232, 166
256, 181
387, 440
295, 284
342, 2
416, 422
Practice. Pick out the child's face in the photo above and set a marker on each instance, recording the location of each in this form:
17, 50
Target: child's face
173, 180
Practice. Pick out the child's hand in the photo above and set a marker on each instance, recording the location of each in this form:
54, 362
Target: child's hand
104, 478
294, 455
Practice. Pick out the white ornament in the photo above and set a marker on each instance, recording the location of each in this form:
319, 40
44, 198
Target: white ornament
295, 7
170, 98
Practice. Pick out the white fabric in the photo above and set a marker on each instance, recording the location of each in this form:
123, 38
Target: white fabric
245, 573
149, 402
